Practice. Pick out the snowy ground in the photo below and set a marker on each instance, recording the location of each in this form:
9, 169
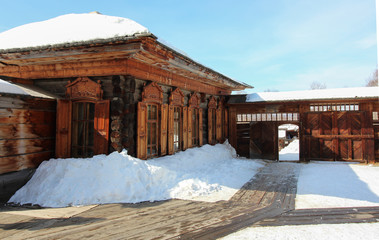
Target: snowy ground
325, 185
208, 173
291, 152
364, 231
337, 184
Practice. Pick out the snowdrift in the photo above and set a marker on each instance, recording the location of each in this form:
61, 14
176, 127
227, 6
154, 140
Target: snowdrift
209, 173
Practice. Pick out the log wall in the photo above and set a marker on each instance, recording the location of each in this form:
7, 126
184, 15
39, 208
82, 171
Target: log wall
27, 132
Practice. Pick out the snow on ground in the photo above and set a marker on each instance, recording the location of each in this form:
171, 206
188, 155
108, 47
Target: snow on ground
69, 28
337, 184
291, 152
356, 231
208, 173
326, 185
337, 93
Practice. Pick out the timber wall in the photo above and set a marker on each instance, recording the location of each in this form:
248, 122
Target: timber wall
124, 92
27, 132
27, 138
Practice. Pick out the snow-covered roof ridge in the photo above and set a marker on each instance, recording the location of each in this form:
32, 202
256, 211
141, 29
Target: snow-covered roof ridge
320, 94
70, 29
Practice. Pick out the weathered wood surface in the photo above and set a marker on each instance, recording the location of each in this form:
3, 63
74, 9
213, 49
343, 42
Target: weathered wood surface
332, 135
323, 216
268, 194
27, 130
145, 59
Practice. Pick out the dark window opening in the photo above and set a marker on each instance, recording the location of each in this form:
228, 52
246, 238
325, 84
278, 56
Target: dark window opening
177, 112
152, 130
82, 136
195, 127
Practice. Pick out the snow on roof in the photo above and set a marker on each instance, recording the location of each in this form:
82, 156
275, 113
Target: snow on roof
337, 93
9, 88
6, 87
70, 28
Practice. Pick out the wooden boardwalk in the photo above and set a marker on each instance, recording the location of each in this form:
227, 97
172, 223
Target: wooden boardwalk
267, 199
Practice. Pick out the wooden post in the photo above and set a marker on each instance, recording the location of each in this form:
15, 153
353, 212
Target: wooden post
233, 126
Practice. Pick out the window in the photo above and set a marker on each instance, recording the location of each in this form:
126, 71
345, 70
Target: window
177, 123
151, 123
82, 121
195, 127
152, 130
82, 136
195, 121
327, 107
267, 117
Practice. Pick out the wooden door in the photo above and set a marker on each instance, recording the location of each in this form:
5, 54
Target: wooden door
63, 132
263, 140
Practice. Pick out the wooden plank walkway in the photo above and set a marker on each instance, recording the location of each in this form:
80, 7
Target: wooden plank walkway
267, 199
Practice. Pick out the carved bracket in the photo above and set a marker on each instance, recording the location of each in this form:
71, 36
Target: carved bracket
84, 88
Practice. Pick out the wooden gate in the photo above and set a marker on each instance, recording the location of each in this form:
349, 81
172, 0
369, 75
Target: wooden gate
334, 136
263, 140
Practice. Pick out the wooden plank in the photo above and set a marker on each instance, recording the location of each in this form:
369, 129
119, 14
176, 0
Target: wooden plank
19, 162
12, 116
17, 131
23, 146
21, 102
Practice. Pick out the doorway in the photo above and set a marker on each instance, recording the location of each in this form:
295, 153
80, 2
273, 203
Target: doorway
288, 142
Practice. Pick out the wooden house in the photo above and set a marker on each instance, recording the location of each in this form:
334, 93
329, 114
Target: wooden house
114, 87
334, 124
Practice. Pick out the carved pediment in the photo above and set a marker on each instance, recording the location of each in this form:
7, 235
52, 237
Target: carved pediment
84, 88
212, 102
194, 101
152, 93
177, 97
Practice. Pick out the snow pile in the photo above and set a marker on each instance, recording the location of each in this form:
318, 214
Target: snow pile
331, 184
207, 173
291, 152
337, 93
69, 28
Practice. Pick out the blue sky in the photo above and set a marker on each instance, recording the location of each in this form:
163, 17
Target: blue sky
270, 44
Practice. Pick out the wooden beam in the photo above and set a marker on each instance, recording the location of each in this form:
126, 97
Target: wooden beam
112, 67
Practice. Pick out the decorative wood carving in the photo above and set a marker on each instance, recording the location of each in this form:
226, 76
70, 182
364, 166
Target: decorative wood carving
84, 88
152, 93
212, 102
177, 97
194, 101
